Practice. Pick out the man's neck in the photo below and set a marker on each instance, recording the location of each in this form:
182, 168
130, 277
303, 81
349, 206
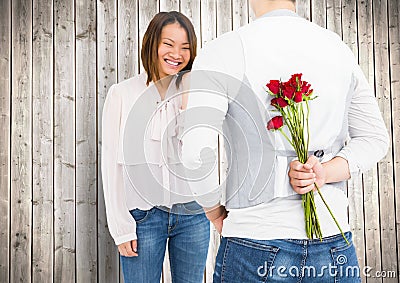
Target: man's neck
267, 6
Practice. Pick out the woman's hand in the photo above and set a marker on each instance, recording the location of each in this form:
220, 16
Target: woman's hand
219, 222
216, 215
128, 249
303, 176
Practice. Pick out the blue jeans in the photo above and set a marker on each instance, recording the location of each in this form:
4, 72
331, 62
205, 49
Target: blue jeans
187, 231
244, 260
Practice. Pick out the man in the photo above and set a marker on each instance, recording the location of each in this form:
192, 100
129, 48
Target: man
260, 214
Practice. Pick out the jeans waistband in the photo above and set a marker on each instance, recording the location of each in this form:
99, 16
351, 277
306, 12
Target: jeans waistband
329, 239
188, 208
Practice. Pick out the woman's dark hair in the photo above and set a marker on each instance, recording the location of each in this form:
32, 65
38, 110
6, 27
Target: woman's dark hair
152, 39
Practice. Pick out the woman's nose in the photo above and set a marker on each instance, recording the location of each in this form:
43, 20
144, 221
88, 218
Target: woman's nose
176, 53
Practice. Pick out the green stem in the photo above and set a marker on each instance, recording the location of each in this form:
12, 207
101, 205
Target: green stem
317, 227
334, 218
287, 138
308, 126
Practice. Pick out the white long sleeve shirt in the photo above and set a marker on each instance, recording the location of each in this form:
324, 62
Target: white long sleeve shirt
274, 47
140, 147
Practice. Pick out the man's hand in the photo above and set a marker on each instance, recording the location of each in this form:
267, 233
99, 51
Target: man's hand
303, 176
128, 249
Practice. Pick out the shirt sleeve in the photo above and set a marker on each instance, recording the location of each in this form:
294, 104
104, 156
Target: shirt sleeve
203, 119
369, 139
121, 224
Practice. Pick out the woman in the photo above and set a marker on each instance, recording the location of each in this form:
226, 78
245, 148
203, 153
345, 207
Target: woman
148, 205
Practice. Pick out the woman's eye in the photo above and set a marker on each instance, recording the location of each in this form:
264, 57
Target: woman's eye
168, 44
186, 48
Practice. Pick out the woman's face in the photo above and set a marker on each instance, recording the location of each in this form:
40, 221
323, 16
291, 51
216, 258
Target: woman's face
173, 51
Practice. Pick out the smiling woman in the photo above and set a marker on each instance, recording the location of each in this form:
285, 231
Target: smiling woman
174, 51
146, 203
170, 39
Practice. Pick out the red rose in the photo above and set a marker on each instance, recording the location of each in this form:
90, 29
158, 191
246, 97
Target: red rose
279, 102
309, 92
296, 77
274, 86
275, 123
288, 90
295, 80
305, 87
298, 97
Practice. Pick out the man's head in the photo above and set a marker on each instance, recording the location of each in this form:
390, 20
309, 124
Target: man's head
261, 7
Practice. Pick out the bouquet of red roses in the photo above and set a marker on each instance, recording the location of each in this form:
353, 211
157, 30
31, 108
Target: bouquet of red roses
291, 100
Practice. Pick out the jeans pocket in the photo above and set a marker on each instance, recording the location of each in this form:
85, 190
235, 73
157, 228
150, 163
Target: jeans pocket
345, 263
247, 261
140, 215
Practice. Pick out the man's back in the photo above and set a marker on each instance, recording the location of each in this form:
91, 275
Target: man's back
238, 65
275, 47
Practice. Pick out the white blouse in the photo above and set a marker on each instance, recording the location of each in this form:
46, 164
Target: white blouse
140, 162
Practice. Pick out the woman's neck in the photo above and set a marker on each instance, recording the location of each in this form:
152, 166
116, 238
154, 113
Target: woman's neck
162, 85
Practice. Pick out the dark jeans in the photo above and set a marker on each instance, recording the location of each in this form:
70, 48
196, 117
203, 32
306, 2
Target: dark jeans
187, 231
245, 260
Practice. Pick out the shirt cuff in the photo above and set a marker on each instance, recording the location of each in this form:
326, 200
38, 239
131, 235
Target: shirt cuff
353, 167
210, 199
125, 238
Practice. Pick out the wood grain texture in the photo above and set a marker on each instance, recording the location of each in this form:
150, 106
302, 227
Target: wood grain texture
128, 39
355, 192
5, 112
21, 148
240, 13
108, 257
42, 154
86, 144
252, 16
208, 21
224, 16
191, 9
147, 10
349, 25
303, 9
169, 5
385, 166
166, 276
333, 16
394, 58
64, 142
370, 182
318, 15
356, 217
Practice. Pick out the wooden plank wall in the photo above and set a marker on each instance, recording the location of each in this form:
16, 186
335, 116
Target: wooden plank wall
58, 59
